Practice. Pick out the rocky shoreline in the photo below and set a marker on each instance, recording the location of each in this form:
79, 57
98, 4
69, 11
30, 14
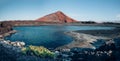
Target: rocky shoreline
105, 52
113, 33
7, 34
85, 39
81, 48
10, 51
81, 40
14, 44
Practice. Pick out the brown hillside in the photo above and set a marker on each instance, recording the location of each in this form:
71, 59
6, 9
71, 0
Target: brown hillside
58, 17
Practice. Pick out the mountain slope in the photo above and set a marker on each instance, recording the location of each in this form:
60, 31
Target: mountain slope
58, 17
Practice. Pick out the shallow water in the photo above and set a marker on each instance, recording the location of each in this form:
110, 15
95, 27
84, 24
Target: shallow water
48, 36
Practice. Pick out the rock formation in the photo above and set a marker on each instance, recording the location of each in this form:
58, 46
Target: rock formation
5, 27
57, 17
9, 43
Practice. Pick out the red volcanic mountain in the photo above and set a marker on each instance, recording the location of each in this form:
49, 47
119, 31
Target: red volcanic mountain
58, 17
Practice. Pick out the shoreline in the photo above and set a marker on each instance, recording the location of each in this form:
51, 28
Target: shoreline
81, 40
14, 48
71, 24
76, 35
7, 34
84, 38
113, 33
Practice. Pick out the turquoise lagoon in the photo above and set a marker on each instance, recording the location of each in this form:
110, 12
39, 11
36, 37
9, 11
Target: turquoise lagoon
48, 36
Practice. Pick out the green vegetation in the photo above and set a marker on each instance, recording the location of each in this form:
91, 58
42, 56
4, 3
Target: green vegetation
38, 51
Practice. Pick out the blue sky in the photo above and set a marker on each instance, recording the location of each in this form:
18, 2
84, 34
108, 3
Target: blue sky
96, 10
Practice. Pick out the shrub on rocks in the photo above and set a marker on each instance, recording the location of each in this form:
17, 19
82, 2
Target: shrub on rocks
38, 51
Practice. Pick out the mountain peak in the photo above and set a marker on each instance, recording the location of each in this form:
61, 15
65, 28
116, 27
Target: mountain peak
58, 17
59, 12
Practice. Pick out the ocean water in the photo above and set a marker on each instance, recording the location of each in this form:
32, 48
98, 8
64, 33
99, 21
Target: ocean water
48, 36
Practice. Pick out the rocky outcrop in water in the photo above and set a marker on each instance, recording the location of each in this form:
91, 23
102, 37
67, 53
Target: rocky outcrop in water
57, 17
